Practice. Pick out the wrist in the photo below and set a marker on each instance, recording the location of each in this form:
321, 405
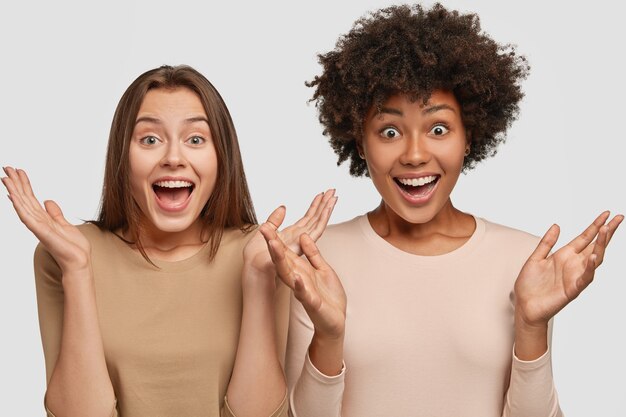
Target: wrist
531, 339
256, 282
328, 339
530, 326
74, 281
326, 354
81, 271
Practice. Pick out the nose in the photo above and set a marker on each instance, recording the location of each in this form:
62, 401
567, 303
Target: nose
174, 156
416, 151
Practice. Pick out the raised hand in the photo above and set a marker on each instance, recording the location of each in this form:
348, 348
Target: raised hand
314, 283
68, 246
548, 282
313, 223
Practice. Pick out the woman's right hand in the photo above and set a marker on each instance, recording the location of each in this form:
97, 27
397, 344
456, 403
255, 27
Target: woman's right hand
314, 283
67, 245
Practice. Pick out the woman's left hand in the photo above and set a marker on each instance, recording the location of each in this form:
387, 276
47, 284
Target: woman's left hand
548, 282
256, 257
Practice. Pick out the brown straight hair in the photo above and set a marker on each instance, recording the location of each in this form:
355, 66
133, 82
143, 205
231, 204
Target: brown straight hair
229, 205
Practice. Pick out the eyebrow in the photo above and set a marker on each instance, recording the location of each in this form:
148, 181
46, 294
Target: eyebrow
390, 110
426, 111
433, 109
154, 120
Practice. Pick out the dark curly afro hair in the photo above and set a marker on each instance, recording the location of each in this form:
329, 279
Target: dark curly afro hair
409, 50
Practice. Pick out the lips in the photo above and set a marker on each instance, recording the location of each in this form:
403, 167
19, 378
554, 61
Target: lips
173, 194
417, 189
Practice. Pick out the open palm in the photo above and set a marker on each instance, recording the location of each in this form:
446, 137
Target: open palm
313, 223
548, 282
67, 245
314, 283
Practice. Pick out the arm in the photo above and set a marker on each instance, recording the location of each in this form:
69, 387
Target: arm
312, 393
78, 380
257, 386
545, 285
531, 387
319, 390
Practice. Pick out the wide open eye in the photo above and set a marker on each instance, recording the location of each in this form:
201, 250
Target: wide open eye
149, 140
439, 130
390, 133
196, 140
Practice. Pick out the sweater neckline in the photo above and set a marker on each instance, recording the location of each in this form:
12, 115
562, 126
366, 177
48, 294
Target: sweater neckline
385, 247
136, 258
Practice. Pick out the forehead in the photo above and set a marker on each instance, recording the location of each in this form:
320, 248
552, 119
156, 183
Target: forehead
172, 103
436, 98
402, 105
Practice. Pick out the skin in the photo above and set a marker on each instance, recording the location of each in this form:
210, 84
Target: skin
80, 384
172, 138
407, 139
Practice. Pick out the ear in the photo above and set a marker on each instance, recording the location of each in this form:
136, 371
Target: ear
359, 148
468, 142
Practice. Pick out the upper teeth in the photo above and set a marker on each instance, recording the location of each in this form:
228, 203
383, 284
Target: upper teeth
415, 182
173, 184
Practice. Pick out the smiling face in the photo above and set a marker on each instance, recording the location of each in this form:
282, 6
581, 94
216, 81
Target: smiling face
414, 153
173, 162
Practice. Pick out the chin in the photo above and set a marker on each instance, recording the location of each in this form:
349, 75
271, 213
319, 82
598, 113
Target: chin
173, 225
413, 215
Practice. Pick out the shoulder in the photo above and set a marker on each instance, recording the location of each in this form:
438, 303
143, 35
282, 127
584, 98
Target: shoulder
344, 230
98, 238
506, 237
342, 235
94, 233
103, 242
235, 239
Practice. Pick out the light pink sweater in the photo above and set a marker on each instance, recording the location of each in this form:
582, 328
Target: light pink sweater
428, 336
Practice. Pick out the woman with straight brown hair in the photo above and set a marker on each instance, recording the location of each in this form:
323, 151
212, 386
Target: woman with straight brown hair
151, 310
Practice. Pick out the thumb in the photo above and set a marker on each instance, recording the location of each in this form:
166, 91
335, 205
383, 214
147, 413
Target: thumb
276, 218
55, 212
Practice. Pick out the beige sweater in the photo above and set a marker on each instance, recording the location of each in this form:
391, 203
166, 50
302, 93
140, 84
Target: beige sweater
170, 334
428, 336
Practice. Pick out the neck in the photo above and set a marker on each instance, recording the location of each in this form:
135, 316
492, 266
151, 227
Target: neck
446, 231
156, 240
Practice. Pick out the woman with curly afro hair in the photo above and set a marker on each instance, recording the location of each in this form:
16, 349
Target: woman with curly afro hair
449, 314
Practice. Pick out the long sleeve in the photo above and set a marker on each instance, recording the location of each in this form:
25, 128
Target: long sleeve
50, 302
281, 315
281, 411
312, 394
169, 331
532, 392
531, 389
425, 335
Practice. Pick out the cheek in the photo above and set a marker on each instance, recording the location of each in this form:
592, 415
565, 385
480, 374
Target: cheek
139, 169
452, 158
137, 161
207, 168
380, 159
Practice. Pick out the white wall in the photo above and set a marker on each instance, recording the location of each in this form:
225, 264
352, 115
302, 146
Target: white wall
65, 65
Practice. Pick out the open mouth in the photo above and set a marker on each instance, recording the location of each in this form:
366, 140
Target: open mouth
417, 187
173, 193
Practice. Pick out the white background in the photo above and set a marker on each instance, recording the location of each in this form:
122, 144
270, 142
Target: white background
66, 64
